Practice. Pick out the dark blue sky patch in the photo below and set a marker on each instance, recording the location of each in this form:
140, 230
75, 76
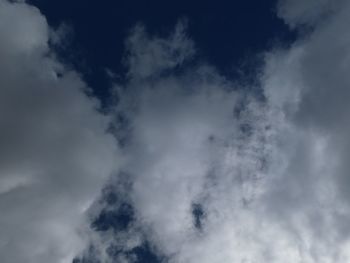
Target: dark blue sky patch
144, 254
227, 34
117, 220
117, 213
139, 254
198, 215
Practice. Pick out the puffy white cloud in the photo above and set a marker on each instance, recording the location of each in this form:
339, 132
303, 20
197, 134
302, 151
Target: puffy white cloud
55, 153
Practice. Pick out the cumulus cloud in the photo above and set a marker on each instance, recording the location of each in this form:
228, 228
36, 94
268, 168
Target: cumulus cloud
220, 175
55, 153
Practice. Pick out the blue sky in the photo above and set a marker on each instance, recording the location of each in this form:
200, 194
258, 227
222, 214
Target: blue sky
227, 35
178, 132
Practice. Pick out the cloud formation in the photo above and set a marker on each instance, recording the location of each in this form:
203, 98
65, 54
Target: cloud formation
212, 171
269, 176
55, 153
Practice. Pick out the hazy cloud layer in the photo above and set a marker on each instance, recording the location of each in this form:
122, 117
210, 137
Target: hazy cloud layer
55, 154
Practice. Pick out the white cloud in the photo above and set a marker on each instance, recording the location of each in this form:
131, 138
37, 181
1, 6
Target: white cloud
55, 153
196, 139
271, 176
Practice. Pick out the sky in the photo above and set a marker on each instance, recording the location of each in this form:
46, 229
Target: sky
174, 132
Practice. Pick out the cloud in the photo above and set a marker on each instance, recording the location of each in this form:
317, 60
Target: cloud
211, 171
317, 74
147, 56
55, 153
269, 176
196, 154
310, 12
